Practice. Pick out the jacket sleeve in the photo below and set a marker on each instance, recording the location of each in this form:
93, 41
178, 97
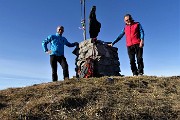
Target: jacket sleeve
45, 42
141, 32
119, 37
68, 43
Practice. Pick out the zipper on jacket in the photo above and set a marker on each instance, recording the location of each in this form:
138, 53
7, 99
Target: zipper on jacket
130, 35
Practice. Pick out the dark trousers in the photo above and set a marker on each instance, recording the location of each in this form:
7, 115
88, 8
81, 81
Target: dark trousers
62, 60
136, 51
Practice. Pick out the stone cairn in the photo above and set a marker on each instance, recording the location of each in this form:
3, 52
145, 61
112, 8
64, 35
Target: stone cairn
106, 61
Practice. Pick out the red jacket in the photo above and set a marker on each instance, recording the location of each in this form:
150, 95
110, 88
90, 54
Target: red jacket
132, 34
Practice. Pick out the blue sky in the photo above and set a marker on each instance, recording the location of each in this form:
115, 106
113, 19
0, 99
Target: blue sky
24, 24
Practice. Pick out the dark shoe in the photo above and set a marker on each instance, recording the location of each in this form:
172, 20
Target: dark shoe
135, 73
121, 75
140, 74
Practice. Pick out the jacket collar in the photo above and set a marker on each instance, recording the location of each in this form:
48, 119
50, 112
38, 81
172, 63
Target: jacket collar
57, 34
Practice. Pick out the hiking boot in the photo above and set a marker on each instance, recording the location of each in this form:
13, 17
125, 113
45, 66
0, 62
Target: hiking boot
140, 74
135, 73
121, 75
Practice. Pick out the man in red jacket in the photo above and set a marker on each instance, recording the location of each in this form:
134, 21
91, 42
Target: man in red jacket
134, 42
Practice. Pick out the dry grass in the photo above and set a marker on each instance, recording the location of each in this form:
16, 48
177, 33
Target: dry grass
115, 98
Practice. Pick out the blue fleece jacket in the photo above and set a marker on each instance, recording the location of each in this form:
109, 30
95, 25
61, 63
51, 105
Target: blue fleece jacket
57, 43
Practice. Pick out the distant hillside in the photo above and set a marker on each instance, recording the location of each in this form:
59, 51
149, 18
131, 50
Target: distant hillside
115, 98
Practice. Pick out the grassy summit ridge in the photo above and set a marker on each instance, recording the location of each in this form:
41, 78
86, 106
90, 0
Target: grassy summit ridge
105, 98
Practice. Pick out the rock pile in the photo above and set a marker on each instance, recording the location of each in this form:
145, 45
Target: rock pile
105, 58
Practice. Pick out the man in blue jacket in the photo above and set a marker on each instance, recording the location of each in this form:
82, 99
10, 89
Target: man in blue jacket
56, 52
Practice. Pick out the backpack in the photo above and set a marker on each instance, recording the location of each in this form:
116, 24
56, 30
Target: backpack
86, 70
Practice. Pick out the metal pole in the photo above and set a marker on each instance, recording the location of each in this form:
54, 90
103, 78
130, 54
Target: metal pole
84, 20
